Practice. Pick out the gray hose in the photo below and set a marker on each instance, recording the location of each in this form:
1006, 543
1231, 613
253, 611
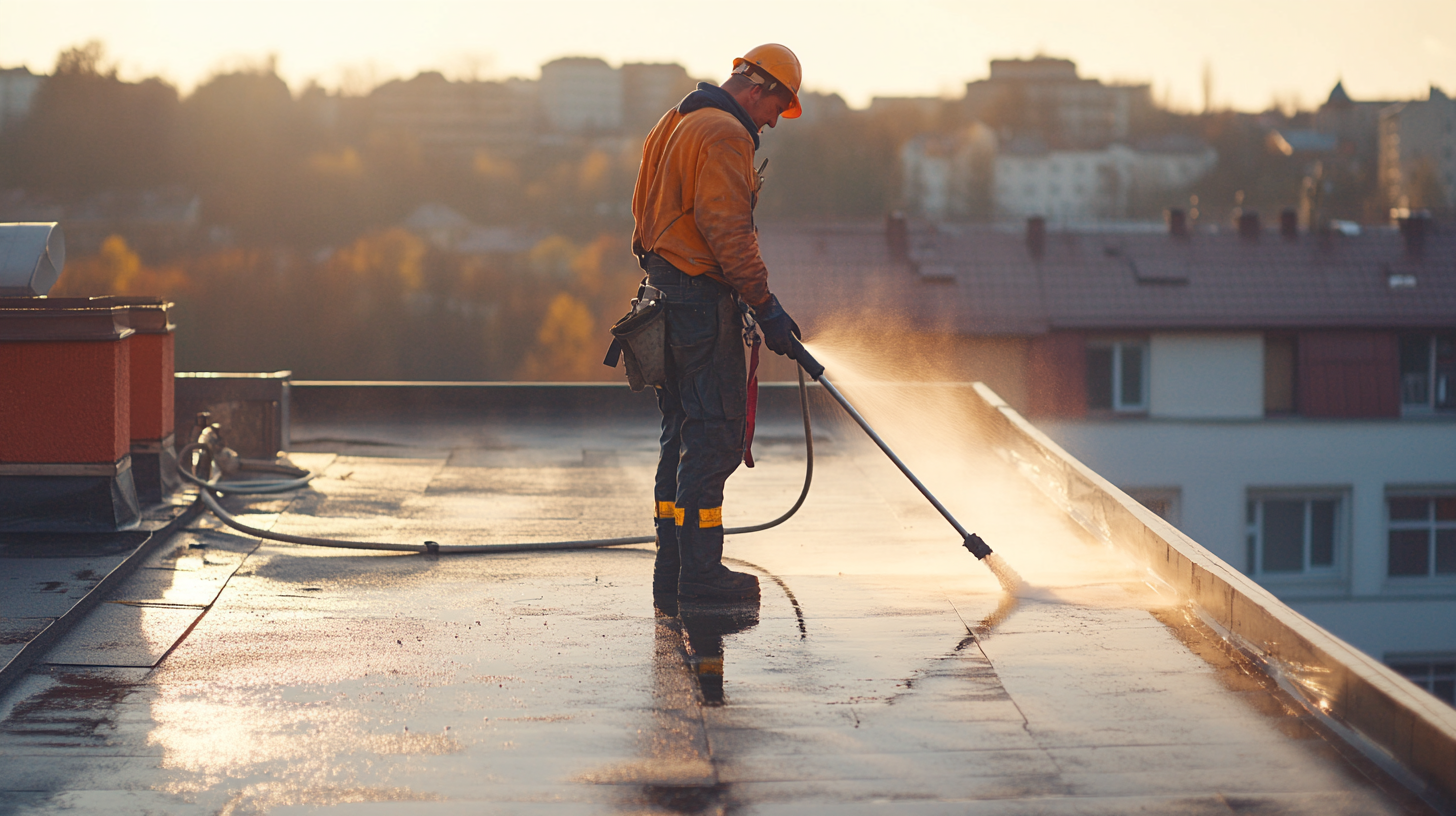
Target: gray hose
207, 488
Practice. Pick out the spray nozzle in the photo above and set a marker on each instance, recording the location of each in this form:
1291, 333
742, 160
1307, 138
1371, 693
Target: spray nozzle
977, 547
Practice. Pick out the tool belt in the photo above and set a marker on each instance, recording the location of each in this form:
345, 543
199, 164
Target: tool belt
640, 338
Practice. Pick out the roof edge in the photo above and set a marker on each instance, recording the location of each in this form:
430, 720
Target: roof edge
1330, 676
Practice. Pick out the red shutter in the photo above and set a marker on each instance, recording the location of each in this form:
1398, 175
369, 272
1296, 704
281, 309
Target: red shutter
1056, 374
1349, 374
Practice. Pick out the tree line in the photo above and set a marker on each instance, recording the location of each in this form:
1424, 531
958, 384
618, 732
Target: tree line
305, 190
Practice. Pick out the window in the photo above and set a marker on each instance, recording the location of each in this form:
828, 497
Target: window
1435, 673
1421, 535
1295, 534
1427, 372
1117, 376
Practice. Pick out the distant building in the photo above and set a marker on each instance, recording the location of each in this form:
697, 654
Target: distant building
821, 106
17, 88
1349, 158
948, 177
925, 109
1083, 185
456, 118
1418, 153
649, 90
1045, 97
1354, 124
583, 95
448, 230
154, 222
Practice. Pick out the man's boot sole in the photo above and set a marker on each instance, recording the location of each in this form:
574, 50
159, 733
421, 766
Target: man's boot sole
703, 593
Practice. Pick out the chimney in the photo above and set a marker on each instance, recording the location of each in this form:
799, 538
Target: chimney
1289, 224
897, 236
1414, 229
1249, 225
1177, 223
1036, 236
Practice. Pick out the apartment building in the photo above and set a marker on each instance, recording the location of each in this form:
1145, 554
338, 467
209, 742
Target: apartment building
648, 90
581, 95
1045, 96
456, 118
1286, 399
1418, 153
1084, 185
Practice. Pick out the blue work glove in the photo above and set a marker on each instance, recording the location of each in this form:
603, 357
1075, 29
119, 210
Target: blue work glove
778, 328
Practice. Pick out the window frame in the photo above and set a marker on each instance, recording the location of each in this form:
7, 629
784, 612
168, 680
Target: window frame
1116, 345
1316, 577
1430, 377
1430, 524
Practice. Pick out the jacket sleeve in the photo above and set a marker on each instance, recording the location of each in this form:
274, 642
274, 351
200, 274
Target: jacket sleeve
645, 171
723, 209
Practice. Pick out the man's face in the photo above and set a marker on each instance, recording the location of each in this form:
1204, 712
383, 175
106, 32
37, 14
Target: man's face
765, 107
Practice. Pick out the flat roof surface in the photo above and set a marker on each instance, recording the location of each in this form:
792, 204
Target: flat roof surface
885, 670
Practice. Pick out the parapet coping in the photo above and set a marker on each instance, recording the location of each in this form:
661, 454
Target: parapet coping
1412, 729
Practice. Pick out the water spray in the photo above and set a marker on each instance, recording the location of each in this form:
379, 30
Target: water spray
969, 540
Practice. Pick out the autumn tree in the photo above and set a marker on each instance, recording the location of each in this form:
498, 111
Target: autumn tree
246, 152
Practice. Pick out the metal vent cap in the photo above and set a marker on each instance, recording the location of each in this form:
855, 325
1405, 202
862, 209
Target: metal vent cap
31, 258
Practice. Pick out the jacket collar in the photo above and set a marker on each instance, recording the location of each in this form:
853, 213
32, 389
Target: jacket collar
709, 95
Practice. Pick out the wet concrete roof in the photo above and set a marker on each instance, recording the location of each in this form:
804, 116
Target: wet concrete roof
885, 670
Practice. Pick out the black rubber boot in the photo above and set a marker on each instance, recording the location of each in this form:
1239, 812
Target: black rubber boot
665, 569
703, 577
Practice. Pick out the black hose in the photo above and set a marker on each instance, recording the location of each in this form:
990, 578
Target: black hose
209, 487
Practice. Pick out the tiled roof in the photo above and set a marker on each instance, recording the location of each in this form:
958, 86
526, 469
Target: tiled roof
983, 280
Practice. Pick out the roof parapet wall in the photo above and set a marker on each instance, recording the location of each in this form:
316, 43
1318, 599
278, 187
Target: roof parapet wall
1334, 679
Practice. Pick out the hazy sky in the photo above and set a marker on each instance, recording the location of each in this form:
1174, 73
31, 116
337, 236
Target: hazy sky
1258, 49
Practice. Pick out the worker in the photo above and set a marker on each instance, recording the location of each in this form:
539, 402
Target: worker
696, 239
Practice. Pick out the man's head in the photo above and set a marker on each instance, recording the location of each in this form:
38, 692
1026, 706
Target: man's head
765, 81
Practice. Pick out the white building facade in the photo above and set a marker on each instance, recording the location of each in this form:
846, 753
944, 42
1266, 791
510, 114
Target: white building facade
1310, 508
1085, 185
581, 95
17, 89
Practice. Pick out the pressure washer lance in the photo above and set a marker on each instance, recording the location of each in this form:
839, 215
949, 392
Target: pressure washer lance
969, 540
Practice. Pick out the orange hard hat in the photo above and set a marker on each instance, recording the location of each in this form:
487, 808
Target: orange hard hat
780, 64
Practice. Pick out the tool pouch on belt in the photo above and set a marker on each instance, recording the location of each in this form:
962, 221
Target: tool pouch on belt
641, 337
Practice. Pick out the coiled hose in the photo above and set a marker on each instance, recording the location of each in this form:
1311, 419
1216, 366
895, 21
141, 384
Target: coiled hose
300, 478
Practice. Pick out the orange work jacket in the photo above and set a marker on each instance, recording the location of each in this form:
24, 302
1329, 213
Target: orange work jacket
696, 190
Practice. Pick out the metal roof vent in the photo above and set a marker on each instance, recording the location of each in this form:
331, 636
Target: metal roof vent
31, 258
1289, 224
1177, 223
1414, 230
1249, 225
1036, 236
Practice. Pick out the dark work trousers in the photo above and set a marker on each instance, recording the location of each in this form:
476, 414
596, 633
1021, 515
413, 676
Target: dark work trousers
703, 407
